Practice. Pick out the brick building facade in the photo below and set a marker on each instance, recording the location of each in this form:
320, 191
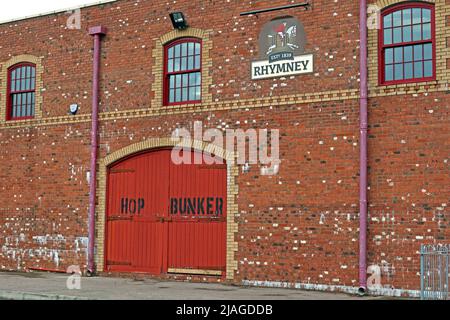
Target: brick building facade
297, 228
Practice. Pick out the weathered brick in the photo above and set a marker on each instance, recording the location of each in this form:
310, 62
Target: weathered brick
300, 226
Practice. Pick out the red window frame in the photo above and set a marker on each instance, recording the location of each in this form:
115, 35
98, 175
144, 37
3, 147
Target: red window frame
167, 74
382, 47
11, 93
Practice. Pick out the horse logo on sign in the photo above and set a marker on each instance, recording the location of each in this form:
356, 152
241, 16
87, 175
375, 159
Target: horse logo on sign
282, 36
282, 47
284, 39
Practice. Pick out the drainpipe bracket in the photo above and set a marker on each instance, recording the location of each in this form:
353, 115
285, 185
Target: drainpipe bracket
97, 30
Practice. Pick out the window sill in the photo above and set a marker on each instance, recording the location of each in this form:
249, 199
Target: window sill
406, 82
23, 119
412, 84
183, 104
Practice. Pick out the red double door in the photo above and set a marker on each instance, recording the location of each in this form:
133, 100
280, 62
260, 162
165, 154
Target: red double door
162, 217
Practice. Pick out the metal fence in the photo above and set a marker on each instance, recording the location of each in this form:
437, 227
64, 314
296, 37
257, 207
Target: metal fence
434, 272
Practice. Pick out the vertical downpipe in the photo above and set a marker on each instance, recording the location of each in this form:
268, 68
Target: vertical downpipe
363, 150
97, 33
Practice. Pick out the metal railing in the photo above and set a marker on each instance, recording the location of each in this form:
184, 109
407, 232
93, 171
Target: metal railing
434, 272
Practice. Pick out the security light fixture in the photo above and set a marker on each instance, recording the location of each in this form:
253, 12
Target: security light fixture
74, 108
178, 20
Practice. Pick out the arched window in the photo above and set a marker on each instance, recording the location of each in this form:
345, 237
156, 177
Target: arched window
182, 72
407, 43
21, 91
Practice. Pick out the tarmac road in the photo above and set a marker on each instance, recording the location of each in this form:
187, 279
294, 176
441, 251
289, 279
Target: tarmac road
49, 286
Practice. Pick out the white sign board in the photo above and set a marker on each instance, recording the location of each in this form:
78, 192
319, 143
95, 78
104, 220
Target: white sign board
284, 68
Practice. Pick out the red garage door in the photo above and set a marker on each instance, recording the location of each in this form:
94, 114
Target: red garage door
163, 217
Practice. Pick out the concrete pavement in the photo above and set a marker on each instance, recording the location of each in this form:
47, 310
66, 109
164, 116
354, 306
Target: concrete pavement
50, 286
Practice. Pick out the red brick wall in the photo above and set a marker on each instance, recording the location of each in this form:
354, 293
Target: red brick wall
299, 226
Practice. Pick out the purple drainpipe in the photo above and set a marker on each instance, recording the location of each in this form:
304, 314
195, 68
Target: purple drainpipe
363, 149
97, 33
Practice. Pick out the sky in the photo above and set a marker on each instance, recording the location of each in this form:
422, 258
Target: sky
16, 9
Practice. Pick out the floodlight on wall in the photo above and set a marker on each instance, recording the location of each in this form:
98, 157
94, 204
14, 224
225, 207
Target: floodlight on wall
178, 20
74, 108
